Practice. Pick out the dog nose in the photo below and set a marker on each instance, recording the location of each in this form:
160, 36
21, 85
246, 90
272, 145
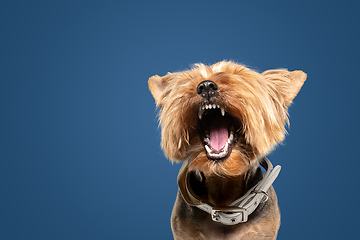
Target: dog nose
207, 89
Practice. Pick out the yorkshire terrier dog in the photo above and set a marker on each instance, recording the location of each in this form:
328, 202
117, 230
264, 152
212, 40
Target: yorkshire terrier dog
221, 121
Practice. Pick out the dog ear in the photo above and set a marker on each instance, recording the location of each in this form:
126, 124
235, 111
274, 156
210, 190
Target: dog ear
157, 85
286, 83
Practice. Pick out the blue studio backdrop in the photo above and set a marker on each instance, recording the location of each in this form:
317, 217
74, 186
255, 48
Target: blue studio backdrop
80, 154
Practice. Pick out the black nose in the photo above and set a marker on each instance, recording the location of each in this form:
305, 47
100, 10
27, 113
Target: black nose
207, 89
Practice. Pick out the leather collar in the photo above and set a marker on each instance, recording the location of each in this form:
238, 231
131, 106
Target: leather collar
240, 209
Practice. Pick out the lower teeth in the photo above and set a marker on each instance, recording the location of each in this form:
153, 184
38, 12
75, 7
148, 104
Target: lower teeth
222, 153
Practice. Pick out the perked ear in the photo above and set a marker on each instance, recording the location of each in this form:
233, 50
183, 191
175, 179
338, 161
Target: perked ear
157, 85
286, 83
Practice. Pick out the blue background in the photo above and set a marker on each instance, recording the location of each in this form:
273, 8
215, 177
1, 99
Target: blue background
80, 155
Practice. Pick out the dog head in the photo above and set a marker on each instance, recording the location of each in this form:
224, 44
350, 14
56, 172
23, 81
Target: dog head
224, 117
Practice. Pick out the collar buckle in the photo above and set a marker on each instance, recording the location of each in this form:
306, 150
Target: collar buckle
229, 215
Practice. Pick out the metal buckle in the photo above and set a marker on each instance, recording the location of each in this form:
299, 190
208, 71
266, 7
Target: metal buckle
231, 215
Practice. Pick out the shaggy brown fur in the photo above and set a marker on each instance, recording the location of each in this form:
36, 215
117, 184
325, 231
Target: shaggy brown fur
249, 105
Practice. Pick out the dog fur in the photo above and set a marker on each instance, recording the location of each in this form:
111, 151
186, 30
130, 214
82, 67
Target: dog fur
255, 106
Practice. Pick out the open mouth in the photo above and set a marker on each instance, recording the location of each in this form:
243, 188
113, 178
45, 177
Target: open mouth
218, 131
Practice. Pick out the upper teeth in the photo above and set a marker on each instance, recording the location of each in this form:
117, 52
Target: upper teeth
222, 111
210, 106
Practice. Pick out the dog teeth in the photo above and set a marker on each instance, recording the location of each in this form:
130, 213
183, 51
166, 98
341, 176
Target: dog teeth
225, 149
221, 154
211, 106
231, 137
222, 111
208, 149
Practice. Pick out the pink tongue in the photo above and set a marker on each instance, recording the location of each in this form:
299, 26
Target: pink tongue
218, 134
